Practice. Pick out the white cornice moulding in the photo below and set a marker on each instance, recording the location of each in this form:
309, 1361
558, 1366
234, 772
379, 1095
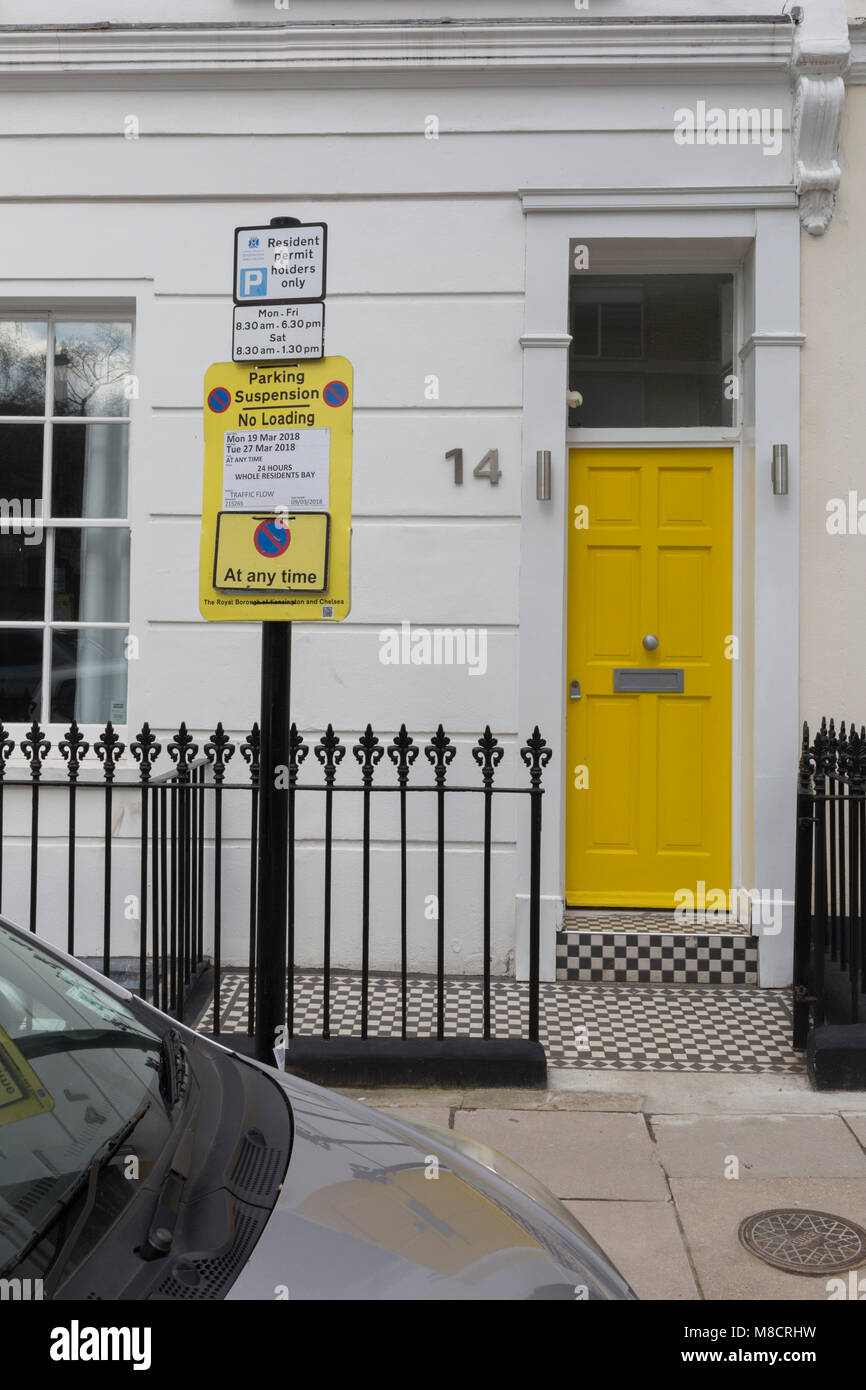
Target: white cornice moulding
756, 340
673, 48
856, 74
545, 340
655, 199
819, 66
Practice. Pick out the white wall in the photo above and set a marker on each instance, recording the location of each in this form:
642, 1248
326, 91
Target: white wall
832, 615
427, 272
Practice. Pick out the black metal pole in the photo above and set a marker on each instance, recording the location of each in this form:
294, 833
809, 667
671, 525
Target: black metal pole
534, 909
272, 877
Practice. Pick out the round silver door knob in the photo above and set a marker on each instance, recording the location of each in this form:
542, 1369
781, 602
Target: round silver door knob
650, 642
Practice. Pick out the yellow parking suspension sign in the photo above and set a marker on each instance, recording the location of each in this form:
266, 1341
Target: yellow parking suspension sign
277, 504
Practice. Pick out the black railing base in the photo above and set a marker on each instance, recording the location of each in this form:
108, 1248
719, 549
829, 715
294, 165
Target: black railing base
461, 1062
838, 1004
836, 1057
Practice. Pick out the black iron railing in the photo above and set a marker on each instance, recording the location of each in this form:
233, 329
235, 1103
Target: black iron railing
179, 850
830, 880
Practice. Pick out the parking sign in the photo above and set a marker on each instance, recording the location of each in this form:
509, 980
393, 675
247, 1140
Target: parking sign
280, 265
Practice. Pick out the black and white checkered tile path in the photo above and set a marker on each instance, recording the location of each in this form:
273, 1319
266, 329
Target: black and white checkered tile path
656, 958
608, 1027
604, 919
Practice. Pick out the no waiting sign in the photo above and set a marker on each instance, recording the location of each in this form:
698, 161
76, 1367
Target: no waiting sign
280, 265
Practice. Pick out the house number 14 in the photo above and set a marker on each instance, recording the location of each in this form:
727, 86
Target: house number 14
488, 467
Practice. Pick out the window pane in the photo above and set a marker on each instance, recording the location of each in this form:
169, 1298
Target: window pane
91, 362
22, 367
88, 676
621, 330
584, 330
22, 571
88, 470
21, 468
20, 676
91, 574
666, 347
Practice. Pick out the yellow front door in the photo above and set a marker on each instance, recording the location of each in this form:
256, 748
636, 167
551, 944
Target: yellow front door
649, 641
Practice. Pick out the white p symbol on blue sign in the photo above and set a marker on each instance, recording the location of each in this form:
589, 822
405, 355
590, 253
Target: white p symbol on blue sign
253, 282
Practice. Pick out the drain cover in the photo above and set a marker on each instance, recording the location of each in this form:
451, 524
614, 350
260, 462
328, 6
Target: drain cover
804, 1242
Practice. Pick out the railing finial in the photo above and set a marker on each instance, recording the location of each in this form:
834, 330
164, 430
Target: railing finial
536, 754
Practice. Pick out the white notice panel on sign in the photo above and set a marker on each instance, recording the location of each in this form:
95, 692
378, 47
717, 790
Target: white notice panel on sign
276, 468
278, 332
280, 265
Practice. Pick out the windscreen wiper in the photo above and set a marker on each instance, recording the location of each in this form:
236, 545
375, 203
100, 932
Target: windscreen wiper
89, 1179
173, 1067
161, 1232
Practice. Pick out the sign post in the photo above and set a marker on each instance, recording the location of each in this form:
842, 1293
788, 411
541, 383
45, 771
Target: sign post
272, 881
276, 521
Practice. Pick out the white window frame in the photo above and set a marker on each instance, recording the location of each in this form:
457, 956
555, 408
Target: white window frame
48, 625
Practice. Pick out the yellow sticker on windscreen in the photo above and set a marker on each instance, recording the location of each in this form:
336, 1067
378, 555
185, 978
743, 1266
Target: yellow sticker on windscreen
21, 1092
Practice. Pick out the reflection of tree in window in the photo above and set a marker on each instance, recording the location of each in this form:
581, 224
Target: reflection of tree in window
22, 368
90, 363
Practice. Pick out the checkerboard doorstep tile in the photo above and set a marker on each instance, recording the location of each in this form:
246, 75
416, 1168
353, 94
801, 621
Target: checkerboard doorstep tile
602, 1027
656, 958
651, 920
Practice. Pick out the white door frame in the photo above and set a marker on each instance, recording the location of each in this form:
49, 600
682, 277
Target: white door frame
756, 231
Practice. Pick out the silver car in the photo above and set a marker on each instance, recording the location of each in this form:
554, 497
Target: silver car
140, 1161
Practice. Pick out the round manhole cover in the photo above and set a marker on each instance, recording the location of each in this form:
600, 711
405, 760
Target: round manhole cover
804, 1242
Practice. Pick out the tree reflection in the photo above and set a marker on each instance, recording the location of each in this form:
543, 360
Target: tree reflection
22, 368
90, 359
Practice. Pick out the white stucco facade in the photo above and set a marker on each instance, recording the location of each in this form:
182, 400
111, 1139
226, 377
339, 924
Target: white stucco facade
449, 261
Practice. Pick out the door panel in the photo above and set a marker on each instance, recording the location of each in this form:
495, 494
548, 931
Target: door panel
613, 730
651, 812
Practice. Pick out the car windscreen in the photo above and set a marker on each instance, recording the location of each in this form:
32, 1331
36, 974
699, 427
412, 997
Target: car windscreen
75, 1066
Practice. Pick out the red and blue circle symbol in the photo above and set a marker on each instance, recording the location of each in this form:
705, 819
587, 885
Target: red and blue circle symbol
219, 400
272, 538
336, 393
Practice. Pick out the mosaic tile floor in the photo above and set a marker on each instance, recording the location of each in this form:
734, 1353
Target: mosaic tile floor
601, 919
603, 1026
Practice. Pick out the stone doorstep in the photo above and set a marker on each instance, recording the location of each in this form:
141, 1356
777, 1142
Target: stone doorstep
609, 956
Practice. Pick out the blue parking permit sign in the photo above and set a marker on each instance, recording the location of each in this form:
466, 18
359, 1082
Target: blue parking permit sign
254, 281
280, 265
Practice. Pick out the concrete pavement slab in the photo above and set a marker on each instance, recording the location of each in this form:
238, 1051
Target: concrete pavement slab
391, 1097
857, 1123
494, 1098
711, 1209
418, 1114
578, 1155
508, 1099
710, 1092
757, 1146
644, 1241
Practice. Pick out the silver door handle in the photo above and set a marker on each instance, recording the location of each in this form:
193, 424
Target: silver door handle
574, 690
650, 642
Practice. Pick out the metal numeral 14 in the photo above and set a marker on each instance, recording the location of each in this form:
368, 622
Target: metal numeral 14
488, 467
